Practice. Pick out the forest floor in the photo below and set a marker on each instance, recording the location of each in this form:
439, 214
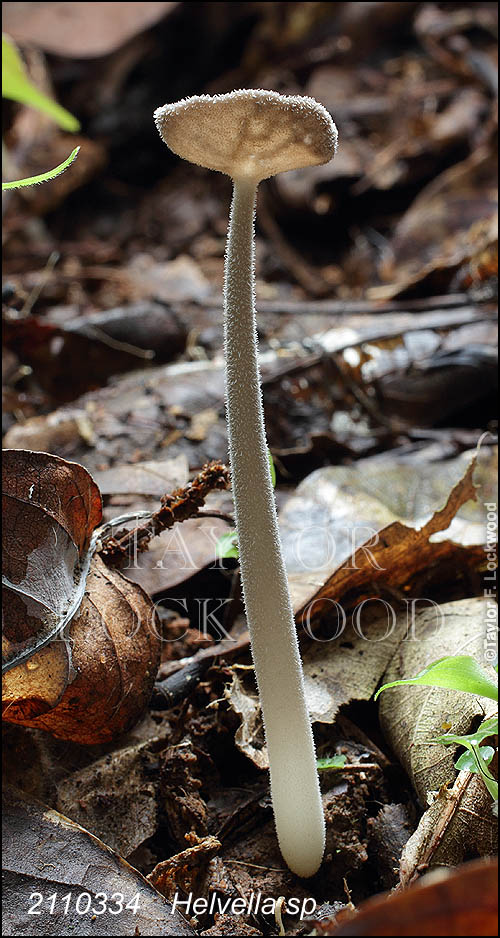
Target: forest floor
377, 302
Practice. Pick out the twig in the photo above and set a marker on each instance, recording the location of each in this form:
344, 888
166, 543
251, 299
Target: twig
320, 307
182, 504
178, 686
220, 515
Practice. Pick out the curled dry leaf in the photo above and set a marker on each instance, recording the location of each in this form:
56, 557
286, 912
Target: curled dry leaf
50, 509
391, 559
187, 871
462, 902
91, 680
115, 654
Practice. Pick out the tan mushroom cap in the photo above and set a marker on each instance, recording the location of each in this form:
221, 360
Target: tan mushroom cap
250, 134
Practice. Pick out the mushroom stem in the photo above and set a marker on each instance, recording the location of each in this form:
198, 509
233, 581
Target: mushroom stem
295, 789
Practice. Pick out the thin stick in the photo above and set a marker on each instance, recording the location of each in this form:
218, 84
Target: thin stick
182, 504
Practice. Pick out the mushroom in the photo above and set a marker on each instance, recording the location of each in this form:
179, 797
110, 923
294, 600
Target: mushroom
251, 135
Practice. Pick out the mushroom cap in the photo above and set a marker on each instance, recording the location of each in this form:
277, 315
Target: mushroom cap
248, 134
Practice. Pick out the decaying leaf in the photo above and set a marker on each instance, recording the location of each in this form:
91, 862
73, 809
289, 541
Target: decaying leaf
459, 823
249, 737
184, 805
187, 871
115, 644
50, 509
81, 642
392, 558
73, 354
144, 413
115, 797
44, 853
458, 902
338, 516
460, 204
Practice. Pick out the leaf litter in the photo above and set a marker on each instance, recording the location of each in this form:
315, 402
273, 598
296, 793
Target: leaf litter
394, 386
353, 677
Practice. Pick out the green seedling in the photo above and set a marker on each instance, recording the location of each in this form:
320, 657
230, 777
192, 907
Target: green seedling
43, 177
463, 673
17, 86
331, 762
227, 545
476, 758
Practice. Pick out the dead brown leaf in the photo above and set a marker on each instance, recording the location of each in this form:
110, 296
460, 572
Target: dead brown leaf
459, 823
392, 559
115, 649
115, 797
75, 29
44, 852
459, 902
444, 226
50, 509
186, 872
72, 627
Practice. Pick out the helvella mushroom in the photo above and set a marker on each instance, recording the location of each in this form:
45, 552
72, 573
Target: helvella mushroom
251, 135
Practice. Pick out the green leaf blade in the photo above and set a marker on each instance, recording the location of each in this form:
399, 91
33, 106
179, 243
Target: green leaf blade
227, 546
332, 762
17, 87
43, 177
467, 762
488, 728
460, 672
272, 468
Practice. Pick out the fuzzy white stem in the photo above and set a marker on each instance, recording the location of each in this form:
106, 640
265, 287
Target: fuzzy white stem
294, 779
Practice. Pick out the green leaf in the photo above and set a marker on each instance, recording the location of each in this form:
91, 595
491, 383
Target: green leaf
488, 728
44, 177
227, 546
17, 87
460, 672
467, 761
481, 768
477, 758
272, 468
332, 762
